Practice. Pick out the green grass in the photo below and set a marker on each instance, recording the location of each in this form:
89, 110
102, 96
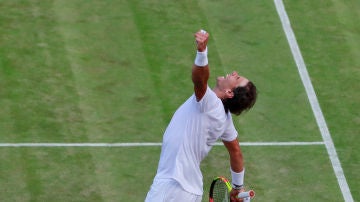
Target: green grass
330, 46
281, 173
115, 71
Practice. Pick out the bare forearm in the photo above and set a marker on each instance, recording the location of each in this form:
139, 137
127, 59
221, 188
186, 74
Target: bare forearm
200, 69
237, 161
200, 76
236, 156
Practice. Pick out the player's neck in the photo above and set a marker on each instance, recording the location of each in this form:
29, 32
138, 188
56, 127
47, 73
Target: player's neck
219, 93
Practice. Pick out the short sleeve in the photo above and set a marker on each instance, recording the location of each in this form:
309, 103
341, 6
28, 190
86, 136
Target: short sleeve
230, 132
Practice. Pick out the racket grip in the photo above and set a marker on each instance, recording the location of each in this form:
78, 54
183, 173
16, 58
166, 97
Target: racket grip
246, 194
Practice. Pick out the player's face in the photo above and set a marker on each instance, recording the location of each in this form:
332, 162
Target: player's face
231, 81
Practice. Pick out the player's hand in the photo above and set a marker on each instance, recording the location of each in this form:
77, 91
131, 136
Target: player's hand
201, 38
234, 193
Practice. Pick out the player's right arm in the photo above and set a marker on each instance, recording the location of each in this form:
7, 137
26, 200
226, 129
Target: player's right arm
200, 70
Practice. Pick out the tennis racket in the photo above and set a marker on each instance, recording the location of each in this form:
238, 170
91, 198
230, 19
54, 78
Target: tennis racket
220, 191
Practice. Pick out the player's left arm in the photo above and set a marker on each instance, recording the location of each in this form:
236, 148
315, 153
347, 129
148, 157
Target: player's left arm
236, 156
237, 168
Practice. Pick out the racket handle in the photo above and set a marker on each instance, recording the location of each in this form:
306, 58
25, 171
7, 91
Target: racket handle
246, 194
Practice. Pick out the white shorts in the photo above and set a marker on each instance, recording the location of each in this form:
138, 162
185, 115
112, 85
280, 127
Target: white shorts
168, 190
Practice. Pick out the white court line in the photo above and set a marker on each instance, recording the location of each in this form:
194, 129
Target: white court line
147, 144
136, 144
313, 101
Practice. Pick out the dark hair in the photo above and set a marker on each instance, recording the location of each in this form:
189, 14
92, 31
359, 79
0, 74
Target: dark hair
244, 98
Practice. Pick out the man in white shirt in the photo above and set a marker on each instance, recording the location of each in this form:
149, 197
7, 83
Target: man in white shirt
196, 126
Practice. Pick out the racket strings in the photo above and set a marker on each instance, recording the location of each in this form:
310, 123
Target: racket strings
220, 192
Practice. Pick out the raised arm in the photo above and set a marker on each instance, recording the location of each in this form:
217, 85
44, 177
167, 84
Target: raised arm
200, 70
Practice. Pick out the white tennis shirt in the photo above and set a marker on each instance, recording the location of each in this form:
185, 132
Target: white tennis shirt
192, 131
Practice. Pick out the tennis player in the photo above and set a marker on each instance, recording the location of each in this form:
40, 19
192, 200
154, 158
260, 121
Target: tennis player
195, 127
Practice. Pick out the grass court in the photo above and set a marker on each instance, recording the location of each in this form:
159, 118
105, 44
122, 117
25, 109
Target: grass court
114, 71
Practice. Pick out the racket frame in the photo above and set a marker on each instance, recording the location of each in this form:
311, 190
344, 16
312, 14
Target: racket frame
223, 179
249, 193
